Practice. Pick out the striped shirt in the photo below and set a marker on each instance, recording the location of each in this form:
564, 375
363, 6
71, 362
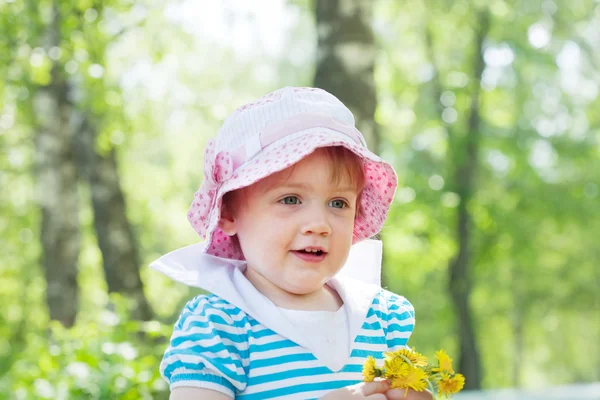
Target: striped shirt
216, 345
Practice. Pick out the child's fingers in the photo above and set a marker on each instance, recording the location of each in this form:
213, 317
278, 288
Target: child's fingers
401, 394
370, 389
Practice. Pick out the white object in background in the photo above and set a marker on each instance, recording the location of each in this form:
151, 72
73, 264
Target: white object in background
364, 262
191, 265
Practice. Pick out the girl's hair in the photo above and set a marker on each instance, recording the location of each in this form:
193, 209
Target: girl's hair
345, 164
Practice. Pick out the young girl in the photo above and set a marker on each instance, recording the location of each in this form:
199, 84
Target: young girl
289, 187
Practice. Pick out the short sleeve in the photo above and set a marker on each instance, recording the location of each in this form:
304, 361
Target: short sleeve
208, 348
400, 321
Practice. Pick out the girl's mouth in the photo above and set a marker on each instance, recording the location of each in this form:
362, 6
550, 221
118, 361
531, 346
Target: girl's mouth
310, 256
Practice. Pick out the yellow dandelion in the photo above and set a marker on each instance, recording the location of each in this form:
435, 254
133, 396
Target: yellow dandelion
444, 362
450, 383
417, 359
395, 366
369, 369
414, 378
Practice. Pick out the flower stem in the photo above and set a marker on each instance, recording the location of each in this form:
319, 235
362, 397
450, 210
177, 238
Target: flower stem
406, 359
431, 388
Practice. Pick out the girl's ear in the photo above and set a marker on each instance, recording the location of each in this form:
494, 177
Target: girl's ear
227, 222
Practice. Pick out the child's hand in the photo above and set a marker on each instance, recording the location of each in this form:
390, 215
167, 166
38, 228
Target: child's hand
363, 390
398, 394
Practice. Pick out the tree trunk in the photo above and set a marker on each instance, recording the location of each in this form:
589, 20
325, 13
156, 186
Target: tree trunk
346, 54
113, 230
56, 184
464, 158
346, 59
66, 140
466, 164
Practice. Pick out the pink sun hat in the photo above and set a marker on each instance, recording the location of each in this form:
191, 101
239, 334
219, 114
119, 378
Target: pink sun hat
270, 135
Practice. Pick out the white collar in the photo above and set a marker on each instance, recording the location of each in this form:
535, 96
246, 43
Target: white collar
357, 284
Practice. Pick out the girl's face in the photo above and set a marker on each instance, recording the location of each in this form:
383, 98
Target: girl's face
295, 227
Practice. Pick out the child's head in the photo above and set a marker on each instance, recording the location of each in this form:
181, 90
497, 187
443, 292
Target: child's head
301, 216
287, 172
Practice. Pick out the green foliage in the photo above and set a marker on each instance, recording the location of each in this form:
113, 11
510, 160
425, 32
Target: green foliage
532, 247
159, 84
107, 357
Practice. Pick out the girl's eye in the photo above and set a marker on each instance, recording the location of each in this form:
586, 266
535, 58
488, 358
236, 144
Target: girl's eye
290, 200
338, 203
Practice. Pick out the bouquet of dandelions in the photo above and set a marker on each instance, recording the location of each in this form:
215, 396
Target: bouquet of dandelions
407, 369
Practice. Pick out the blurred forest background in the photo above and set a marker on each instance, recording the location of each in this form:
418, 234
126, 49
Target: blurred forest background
489, 111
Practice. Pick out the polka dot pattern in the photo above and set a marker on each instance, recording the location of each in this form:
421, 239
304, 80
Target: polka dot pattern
251, 120
377, 196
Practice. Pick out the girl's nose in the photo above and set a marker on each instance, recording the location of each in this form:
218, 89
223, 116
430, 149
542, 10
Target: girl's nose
316, 224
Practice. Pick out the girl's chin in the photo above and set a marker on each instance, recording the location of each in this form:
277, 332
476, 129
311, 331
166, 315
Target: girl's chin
305, 289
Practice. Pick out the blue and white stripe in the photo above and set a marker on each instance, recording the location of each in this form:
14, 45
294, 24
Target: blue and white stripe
215, 345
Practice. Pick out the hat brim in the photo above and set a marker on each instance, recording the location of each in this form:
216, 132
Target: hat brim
376, 197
